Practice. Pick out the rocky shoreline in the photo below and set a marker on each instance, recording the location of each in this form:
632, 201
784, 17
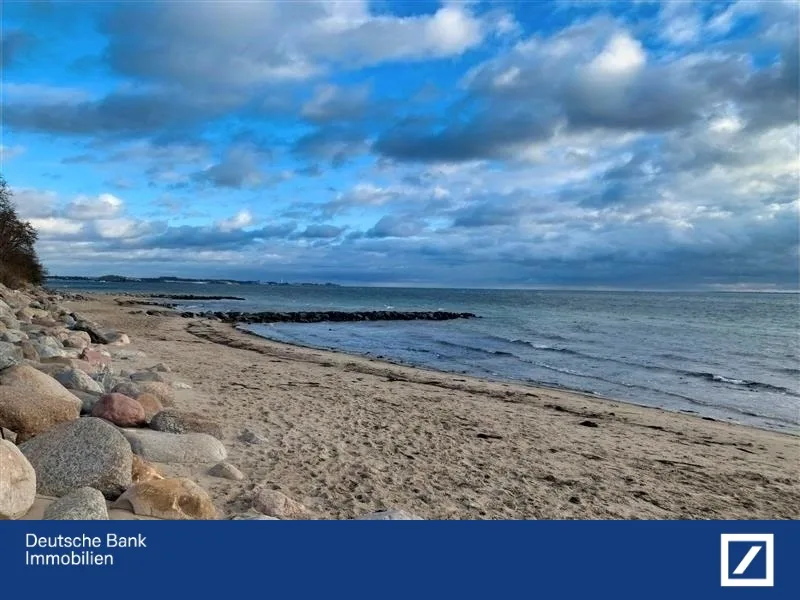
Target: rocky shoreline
91, 440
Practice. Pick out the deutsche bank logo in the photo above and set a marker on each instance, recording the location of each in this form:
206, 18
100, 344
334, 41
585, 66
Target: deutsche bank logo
748, 560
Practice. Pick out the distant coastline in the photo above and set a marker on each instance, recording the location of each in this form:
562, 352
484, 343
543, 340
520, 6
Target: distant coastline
166, 279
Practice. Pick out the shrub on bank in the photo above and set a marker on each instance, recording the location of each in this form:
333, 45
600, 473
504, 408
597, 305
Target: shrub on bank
19, 264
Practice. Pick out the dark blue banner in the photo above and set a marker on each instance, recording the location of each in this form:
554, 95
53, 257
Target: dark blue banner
402, 559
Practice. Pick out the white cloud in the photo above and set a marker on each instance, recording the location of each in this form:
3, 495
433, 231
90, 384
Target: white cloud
56, 226
245, 44
622, 57
104, 206
240, 220
9, 152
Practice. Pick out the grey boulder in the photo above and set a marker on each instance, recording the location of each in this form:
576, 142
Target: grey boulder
184, 448
83, 504
10, 355
75, 379
85, 452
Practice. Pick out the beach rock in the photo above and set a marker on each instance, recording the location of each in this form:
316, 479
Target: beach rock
75, 379
182, 421
162, 391
12, 336
150, 404
25, 314
128, 388
180, 385
32, 402
7, 434
185, 448
44, 322
17, 482
226, 470
82, 504
178, 498
95, 358
251, 437
87, 399
48, 347
9, 355
86, 452
389, 514
145, 376
78, 339
141, 470
274, 503
117, 339
29, 351
96, 333
10, 321
120, 410
160, 368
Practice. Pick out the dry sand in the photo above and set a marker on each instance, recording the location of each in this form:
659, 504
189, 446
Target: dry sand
347, 435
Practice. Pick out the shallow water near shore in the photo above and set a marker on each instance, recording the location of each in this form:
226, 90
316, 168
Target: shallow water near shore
731, 356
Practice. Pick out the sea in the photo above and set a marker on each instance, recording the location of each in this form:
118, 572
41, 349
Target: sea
724, 355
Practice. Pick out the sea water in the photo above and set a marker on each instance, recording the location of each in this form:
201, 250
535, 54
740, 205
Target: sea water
730, 356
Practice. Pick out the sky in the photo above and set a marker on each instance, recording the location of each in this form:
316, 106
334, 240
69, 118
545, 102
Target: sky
511, 144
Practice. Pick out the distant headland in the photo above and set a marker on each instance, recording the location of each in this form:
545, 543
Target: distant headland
166, 279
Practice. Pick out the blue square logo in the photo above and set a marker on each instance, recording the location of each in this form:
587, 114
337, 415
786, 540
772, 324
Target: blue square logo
747, 560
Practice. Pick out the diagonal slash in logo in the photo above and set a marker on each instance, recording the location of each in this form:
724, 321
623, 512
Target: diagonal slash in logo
745, 562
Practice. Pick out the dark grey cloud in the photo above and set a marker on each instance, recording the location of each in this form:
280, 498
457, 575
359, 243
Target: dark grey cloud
210, 238
314, 232
334, 144
241, 166
503, 211
335, 103
15, 45
488, 134
397, 226
118, 114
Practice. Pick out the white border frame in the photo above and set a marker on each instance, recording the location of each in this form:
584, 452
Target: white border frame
769, 548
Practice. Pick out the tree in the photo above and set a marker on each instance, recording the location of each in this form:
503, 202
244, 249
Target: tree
18, 261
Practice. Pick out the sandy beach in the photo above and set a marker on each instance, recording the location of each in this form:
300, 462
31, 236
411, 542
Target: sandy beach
347, 435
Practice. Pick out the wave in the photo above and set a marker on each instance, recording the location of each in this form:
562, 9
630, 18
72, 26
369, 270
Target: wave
477, 349
749, 384
755, 385
547, 336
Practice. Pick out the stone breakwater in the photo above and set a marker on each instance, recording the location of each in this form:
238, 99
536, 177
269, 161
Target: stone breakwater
328, 316
181, 296
93, 440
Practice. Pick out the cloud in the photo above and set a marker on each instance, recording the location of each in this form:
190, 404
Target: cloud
250, 44
593, 75
11, 152
336, 103
240, 220
315, 232
396, 226
239, 167
15, 44
104, 206
118, 113
335, 144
